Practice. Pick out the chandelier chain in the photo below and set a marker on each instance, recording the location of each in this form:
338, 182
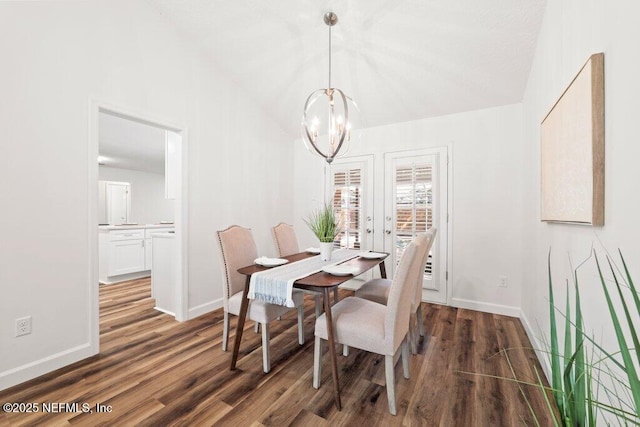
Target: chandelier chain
329, 57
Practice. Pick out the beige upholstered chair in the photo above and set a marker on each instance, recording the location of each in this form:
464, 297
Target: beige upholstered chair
284, 236
374, 327
378, 289
238, 250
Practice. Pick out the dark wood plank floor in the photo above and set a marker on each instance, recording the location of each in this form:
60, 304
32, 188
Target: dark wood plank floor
155, 371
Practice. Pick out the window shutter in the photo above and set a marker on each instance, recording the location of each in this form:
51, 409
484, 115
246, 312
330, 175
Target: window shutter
347, 203
413, 206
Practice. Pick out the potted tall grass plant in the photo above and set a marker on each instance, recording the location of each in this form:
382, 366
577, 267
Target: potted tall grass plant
324, 225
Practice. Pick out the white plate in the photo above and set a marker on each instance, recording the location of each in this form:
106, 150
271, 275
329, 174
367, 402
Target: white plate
313, 250
371, 255
340, 270
270, 262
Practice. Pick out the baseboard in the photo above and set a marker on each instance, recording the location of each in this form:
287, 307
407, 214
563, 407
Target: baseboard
537, 345
171, 313
111, 280
45, 365
505, 310
201, 309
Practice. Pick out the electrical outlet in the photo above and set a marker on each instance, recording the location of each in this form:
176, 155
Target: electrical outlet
503, 281
23, 326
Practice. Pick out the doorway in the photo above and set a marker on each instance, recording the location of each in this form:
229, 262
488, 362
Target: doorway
174, 168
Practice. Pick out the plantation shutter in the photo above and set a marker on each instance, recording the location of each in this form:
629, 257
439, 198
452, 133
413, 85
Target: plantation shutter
413, 206
347, 202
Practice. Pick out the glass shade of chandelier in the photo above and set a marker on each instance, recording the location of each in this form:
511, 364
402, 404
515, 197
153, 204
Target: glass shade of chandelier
326, 124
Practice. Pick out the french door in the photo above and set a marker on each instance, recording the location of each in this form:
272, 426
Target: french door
415, 200
351, 192
385, 200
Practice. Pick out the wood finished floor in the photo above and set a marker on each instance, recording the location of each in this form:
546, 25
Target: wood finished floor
155, 371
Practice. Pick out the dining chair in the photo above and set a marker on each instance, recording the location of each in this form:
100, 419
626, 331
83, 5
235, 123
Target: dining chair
374, 327
238, 249
378, 289
284, 237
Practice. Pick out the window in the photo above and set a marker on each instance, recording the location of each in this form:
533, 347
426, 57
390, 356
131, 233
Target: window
347, 202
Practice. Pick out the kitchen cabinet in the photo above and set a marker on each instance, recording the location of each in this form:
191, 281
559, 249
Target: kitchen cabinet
163, 273
126, 256
126, 252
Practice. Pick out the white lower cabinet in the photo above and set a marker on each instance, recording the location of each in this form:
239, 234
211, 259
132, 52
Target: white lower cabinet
126, 253
163, 274
148, 253
126, 256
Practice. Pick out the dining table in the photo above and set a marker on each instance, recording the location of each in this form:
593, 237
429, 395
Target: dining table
320, 282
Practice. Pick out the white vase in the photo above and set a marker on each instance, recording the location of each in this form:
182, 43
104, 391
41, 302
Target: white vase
325, 251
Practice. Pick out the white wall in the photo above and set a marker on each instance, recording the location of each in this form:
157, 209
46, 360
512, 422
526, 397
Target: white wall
62, 55
486, 157
148, 204
572, 30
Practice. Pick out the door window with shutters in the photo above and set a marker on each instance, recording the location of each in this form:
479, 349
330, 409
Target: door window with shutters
347, 196
413, 206
350, 188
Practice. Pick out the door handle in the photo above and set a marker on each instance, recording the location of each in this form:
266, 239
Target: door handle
368, 231
387, 231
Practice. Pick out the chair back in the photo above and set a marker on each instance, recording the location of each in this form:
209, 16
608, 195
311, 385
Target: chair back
284, 236
401, 293
238, 249
426, 240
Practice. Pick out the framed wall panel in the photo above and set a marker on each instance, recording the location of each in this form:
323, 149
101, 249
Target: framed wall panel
572, 151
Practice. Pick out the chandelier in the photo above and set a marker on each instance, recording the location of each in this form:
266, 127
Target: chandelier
326, 128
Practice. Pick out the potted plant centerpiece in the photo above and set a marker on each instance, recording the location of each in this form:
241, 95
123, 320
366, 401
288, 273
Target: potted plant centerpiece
324, 225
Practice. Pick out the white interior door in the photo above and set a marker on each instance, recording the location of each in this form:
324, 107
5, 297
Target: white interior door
415, 201
118, 202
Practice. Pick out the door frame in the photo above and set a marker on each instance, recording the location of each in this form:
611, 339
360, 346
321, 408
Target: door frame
181, 213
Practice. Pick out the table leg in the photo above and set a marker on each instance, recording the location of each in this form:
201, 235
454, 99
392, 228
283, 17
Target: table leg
241, 318
332, 347
383, 270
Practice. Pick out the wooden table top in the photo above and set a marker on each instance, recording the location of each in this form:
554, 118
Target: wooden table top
320, 279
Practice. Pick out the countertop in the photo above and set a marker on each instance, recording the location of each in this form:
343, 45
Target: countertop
133, 227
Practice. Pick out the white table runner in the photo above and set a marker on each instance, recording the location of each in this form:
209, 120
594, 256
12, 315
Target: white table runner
275, 285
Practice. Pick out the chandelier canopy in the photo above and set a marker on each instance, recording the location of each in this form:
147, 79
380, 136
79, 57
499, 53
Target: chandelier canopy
326, 126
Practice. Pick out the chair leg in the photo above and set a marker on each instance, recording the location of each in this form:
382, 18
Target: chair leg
225, 331
256, 327
405, 358
345, 350
391, 385
301, 324
266, 361
413, 339
317, 362
420, 320
318, 305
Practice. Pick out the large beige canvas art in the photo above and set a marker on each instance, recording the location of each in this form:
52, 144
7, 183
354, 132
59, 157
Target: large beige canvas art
572, 150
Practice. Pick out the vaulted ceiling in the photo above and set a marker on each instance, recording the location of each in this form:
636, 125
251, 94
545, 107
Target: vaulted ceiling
400, 60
